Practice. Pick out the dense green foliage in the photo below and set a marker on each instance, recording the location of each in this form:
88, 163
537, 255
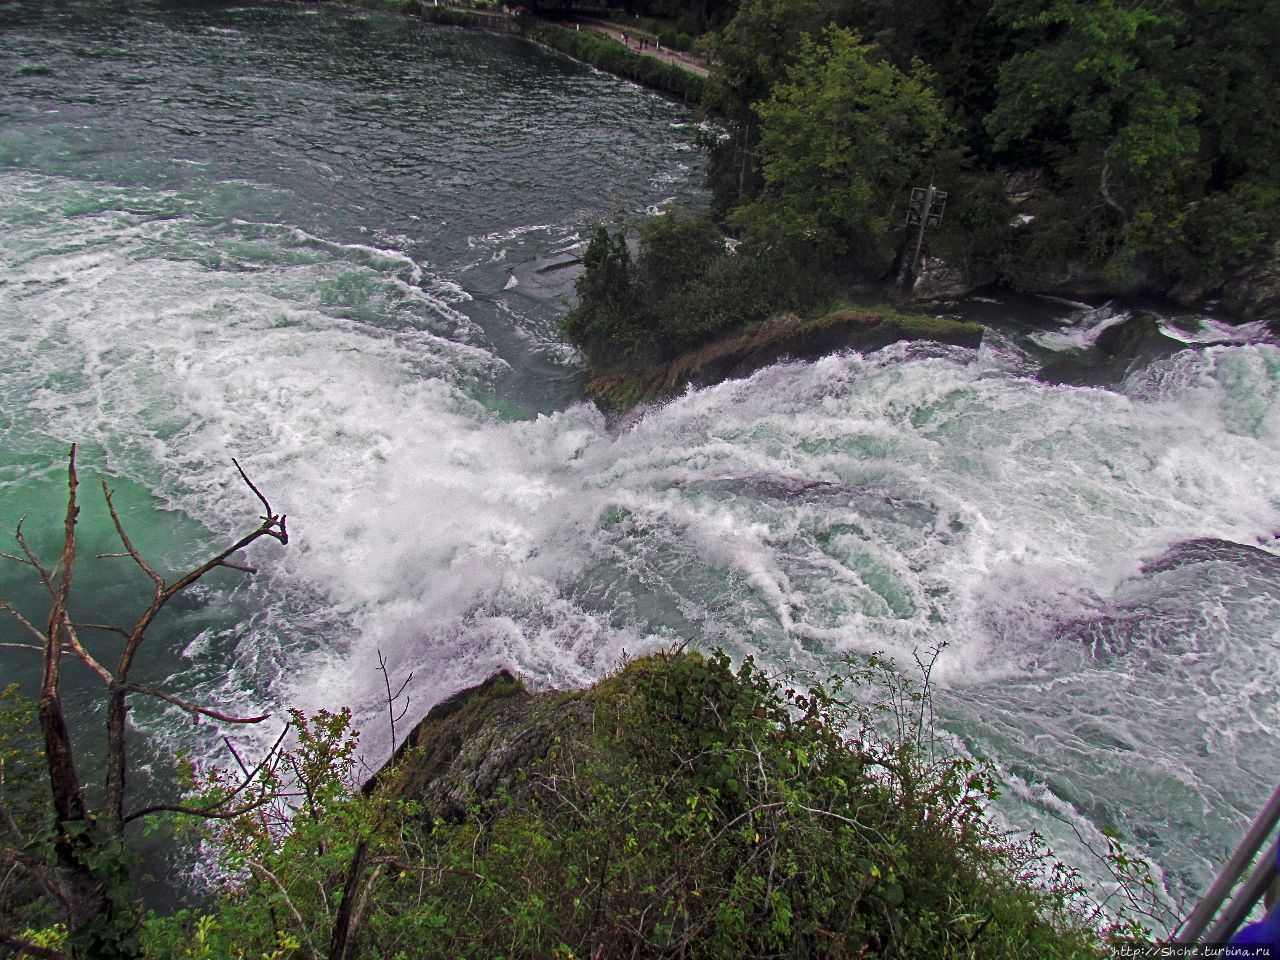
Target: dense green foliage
1148, 126
1151, 123
678, 808
684, 287
839, 141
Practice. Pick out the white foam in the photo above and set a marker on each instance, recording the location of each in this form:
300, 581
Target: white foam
1082, 329
856, 503
1209, 330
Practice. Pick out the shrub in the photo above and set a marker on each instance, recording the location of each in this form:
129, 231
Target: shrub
685, 288
678, 808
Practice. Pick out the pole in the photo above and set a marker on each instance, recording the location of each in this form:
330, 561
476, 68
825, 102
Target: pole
1244, 901
924, 218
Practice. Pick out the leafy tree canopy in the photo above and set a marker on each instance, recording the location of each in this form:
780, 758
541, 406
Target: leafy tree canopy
839, 141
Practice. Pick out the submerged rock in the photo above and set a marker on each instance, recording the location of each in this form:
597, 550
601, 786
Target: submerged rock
1138, 337
1118, 349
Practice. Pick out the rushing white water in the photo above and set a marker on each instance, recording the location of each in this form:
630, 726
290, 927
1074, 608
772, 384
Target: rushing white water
1100, 562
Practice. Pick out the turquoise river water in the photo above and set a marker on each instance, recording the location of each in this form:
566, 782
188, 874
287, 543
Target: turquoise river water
333, 244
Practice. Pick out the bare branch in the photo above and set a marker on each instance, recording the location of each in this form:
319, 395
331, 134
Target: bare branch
1104, 187
109, 628
393, 697
408, 681
190, 707
22, 560
270, 527
302, 927
128, 544
266, 507
73, 641
238, 566
10, 609
204, 813
45, 576
35, 869
212, 810
235, 753
21, 646
64, 780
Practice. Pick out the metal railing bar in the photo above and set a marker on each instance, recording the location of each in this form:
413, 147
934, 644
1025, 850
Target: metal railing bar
1234, 915
1257, 835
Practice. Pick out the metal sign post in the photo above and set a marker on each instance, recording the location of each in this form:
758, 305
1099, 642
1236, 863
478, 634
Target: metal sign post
925, 209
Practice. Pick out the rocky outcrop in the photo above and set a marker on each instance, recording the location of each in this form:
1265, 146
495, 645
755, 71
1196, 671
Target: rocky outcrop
941, 280
760, 345
1254, 292
477, 743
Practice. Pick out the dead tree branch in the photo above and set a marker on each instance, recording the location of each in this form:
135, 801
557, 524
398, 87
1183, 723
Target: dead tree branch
393, 697
215, 810
302, 926
70, 876
192, 708
272, 525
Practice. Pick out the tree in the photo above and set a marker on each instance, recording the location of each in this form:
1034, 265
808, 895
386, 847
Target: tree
839, 142
601, 324
84, 868
1101, 91
752, 54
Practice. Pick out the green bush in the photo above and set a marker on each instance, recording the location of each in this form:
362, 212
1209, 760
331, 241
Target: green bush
680, 808
684, 288
450, 16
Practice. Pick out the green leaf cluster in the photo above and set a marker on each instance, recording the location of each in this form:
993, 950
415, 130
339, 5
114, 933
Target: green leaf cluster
840, 140
1151, 124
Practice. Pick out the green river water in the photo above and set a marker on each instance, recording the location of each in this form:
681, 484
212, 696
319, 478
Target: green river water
334, 243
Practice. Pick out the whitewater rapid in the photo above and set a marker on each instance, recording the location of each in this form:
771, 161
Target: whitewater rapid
372, 335
884, 503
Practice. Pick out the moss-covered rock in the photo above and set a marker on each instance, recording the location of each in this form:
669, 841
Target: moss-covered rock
746, 350
476, 742
684, 808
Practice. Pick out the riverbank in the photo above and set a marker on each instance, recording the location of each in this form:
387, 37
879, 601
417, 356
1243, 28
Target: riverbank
1249, 291
597, 43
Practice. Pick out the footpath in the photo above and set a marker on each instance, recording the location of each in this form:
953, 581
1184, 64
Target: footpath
637, 41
